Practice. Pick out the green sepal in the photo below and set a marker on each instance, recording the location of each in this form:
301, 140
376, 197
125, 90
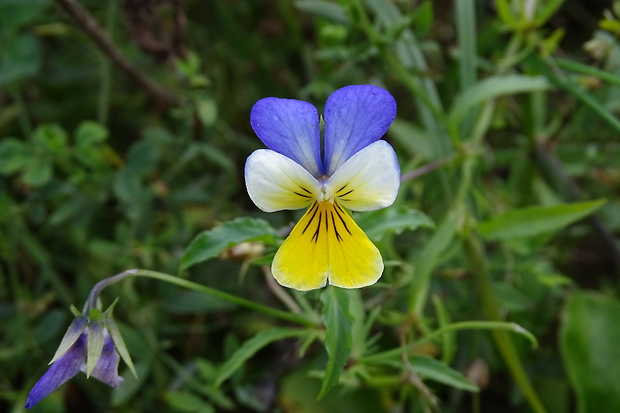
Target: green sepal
75, 311
96, 337
73, 333
117, 339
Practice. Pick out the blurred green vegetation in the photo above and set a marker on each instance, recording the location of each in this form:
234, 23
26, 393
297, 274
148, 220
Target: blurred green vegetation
110, 160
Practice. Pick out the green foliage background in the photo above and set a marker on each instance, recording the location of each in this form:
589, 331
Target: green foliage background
507, 221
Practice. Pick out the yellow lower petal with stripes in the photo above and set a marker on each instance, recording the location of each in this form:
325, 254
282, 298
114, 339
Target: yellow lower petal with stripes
325, 246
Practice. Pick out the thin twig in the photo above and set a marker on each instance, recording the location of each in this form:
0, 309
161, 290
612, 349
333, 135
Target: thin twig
90, 26
279, 292
423, 170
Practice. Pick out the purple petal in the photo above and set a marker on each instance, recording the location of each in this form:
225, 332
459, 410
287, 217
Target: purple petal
355, 117
106, 370
290, 127
63, 369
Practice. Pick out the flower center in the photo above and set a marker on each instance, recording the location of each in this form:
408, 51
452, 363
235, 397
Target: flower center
325, 195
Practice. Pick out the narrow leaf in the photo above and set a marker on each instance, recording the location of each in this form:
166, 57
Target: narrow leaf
492, 88
251, 347
432, 369
338, 322
531, 221
209, 244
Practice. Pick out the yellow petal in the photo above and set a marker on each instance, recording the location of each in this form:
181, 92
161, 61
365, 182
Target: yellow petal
326, 245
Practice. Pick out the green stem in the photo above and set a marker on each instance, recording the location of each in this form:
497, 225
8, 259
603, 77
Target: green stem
588, 70
465, 18
181, 282
477, 263
464, 325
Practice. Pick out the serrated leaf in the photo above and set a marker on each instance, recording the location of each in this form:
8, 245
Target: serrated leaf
395, 219
589, 338
338, 322
251, 347
432, 369
209, 244
531, 221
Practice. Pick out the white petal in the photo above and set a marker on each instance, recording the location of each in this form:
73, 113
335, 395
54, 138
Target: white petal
275, 182
368, 180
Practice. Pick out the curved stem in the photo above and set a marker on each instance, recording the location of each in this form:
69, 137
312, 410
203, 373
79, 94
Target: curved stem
283, 315
464, 325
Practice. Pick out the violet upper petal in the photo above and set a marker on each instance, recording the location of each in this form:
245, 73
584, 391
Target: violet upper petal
63, 369
290, 127
355, 116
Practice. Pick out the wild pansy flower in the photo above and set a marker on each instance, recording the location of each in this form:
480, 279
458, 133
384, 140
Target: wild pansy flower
350, 167
92, 345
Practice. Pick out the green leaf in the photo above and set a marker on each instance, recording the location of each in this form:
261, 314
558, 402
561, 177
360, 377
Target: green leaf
505, 12
38, 172
429, 257
184, 401
127, 186
412, 139
395, 219
492, 88
531, 221
89, 133
589, 338
207, 111
549, 9
51, 137
432, 369
143, 157
209, 244
19, 58
130, 384
448, 340
251, 347
15, 155
17, 13
326, 9
338, 322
